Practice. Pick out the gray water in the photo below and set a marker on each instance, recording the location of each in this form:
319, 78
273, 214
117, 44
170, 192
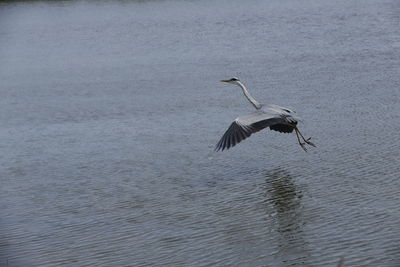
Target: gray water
109, 113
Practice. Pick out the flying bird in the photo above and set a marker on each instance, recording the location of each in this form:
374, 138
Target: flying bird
275, 117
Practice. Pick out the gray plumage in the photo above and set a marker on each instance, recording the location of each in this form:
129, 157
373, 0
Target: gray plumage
275, 117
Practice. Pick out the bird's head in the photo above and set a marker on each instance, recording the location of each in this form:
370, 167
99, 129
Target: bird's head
233, 80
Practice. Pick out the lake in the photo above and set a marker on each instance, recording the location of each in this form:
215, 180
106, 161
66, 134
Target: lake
110, 112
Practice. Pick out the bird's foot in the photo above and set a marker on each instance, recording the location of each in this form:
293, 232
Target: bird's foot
303, 146
309, 142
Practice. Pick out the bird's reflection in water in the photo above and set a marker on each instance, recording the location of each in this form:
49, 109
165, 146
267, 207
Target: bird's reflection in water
284, 196
282, 192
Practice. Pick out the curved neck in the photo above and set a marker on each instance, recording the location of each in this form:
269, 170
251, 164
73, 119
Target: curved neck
248, 96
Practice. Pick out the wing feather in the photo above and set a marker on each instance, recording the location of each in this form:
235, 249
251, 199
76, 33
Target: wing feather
246, 125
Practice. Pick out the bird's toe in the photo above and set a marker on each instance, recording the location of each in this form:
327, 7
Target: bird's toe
309, 142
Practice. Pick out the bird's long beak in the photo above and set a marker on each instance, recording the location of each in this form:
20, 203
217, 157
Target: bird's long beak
224, 81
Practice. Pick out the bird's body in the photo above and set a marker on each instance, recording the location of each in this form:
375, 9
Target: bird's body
275, 117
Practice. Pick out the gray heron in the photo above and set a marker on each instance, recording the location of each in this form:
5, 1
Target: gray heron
275, 117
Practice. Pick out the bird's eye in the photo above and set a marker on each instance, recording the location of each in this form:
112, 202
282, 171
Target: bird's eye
234, 79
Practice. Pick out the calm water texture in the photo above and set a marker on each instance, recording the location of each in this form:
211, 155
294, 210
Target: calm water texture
109, 113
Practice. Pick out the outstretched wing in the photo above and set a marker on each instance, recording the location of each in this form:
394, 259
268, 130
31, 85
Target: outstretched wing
246, 125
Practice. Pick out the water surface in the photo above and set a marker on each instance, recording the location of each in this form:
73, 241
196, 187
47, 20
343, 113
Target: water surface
110, 111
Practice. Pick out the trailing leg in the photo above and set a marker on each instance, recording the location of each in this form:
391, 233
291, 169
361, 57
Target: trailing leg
307, 141
298, 139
